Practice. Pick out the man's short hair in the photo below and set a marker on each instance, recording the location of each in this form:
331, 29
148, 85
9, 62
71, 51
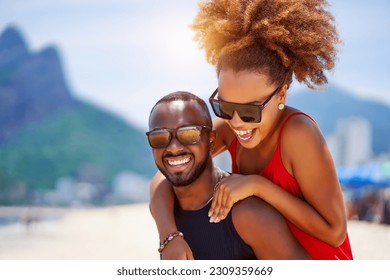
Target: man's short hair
185, 96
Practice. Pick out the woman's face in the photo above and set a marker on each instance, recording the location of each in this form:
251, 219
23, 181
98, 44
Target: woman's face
250, 88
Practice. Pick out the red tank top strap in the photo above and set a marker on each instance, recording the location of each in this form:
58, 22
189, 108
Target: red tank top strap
286, 120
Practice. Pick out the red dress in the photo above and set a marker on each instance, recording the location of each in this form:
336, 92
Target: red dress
277, 173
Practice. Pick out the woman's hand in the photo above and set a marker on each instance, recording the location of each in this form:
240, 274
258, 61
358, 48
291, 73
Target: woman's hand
177, 249
230, 190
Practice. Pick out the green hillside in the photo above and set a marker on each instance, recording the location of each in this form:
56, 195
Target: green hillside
81, 142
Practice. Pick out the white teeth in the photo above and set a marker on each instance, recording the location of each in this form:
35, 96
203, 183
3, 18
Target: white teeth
178, 162
245, 138
244, 134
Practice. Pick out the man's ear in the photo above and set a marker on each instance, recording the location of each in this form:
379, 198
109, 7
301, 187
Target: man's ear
213, 135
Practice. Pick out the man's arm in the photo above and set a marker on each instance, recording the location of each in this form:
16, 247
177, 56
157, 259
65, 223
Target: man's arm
161, 208
265, 230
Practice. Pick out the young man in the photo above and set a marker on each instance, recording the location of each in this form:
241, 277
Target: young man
182, 139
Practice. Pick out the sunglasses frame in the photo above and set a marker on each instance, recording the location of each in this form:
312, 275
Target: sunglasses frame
173, 133
260, 107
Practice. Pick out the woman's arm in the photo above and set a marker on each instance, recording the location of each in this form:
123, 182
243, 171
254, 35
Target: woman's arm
306, 157
161, 208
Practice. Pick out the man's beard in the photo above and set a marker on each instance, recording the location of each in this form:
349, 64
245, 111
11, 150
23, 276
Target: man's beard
184, 179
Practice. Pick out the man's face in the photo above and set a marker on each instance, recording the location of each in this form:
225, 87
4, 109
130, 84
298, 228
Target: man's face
180, 164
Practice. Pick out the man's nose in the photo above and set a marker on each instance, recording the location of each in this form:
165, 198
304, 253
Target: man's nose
174, 145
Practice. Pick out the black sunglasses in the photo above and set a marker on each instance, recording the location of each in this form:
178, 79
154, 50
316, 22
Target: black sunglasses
186, 135
250, 113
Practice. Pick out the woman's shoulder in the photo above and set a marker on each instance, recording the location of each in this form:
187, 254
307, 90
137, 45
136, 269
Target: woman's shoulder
300, 140
296, 122
300, 130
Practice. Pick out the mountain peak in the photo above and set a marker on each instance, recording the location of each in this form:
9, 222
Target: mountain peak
12, 46
32, 84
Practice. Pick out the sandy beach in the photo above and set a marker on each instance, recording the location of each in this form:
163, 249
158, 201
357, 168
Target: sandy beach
126, 233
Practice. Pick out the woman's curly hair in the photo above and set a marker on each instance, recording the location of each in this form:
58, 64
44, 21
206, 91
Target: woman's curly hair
283, 37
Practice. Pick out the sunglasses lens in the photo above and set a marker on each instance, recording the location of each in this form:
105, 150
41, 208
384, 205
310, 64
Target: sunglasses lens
222, 110
249, 113
159, 139
188, 135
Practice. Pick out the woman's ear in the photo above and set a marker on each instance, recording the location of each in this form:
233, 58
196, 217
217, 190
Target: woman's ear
282, 94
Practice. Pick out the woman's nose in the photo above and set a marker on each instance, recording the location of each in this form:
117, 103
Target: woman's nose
236, 121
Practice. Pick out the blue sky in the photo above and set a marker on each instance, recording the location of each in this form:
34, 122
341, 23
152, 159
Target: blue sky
124, 55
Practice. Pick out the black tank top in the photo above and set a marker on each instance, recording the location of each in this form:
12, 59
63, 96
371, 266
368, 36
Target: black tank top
211, 241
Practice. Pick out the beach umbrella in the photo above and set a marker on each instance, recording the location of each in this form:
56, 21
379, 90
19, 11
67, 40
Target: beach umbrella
375, 174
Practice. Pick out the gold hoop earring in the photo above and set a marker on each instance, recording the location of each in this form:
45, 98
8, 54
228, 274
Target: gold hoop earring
281, 106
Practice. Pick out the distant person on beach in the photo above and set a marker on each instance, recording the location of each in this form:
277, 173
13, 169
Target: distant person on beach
182, 140
278, 153
386, 207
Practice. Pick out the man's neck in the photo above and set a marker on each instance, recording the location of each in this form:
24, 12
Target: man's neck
196, 195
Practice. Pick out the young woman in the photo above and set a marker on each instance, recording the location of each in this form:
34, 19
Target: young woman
278, 153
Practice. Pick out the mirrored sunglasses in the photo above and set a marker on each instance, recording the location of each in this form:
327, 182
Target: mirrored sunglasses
186, 135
